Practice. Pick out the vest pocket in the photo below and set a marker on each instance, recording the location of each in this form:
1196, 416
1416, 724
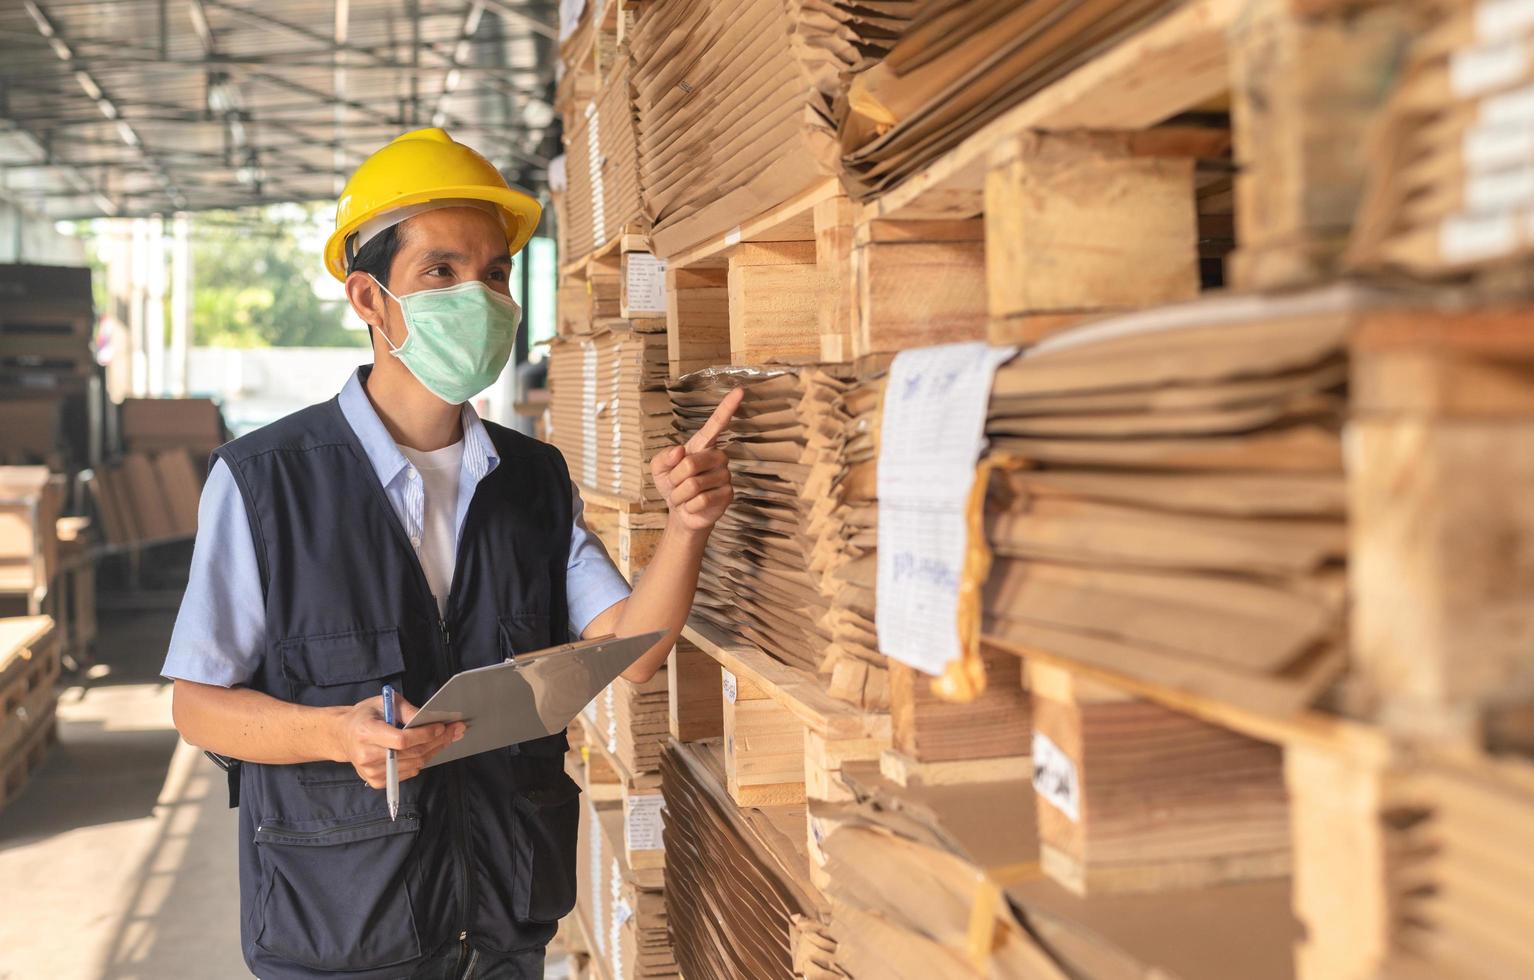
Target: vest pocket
336, 895
341, 668
547, 825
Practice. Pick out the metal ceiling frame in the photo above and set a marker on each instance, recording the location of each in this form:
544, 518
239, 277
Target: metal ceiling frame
138, 125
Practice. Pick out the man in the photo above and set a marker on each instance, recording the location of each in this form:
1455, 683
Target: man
389, 536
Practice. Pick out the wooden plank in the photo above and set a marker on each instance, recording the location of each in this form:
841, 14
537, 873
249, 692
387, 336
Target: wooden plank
1321, 731
693, 685
913, 291
775, 293
791, 221
763, 746
928, 729
697, 318
900, 768
833, 255
1174, 64
1081, 221
801, 695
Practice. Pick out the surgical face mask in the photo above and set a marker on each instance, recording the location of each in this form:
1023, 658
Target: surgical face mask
460, 337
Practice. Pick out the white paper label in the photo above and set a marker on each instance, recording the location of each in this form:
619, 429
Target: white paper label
1464, 238
1054, 777
1499, 18
643, 826
621, 914
1478, 70
729, 685
1491, 148
933, 430
646, 284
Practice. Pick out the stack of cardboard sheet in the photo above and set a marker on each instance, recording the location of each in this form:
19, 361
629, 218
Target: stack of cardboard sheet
735, 101
622, 908
961, 63
631, 718
30, 500
1180, 513
973, 848
738, 898
154, 425
602, 166
840, 418
1460, 866
143, 498
609, 412
756, 579
1451, 186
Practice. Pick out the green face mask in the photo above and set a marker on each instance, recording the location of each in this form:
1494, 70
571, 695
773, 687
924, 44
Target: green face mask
460, 337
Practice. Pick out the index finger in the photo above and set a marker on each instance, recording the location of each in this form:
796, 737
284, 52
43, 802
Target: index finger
717, 422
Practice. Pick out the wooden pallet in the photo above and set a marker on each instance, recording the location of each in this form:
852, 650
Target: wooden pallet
29, 668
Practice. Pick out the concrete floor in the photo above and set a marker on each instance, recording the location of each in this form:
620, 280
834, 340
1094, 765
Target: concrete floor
118, 860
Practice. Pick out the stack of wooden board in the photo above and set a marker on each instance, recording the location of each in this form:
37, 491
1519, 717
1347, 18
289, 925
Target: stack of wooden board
602, 167
756, 580
961, 63
738, 898
1450, 186
840, 494
609, 411
1177, 514
29, 667
735, 99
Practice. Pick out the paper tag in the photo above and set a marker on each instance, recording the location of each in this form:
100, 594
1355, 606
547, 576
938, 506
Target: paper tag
1500, 18
732, 237
1463, 238
1478, 70
729, 685
646, 284
933, 429
591, 710
1491, 148
643, 826
621, 914
1054, 777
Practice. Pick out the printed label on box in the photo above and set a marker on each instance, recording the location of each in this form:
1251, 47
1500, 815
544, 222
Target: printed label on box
646, 284
729, 686
643, 825
1054, 777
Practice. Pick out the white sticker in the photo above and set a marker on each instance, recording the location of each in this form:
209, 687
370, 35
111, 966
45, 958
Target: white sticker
1500, 18
732, 237
1478, 70
1495, 147
729, 686
1463, 238
646, 284
1054, 777
643, 825
622, 913
1500, 191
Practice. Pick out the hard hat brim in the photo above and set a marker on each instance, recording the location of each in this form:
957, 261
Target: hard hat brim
519, 217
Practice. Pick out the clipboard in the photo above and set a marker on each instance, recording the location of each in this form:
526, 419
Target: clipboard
535, 695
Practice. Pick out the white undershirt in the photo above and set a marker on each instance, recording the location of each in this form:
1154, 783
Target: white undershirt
439, 472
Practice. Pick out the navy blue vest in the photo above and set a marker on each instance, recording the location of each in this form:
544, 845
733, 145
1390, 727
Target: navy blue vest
485, 846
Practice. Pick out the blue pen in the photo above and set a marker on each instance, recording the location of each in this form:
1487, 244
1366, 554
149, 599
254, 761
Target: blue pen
392, 778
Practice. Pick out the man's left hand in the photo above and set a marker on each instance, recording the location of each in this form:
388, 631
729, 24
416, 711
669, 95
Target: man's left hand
695, 478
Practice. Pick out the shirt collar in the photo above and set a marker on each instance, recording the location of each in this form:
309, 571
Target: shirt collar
479, 455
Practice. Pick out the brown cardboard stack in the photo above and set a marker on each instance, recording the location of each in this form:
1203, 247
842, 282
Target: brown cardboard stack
30, 501
609, 411
1450, 185
840, 419
602, 166
631, 719
152, 425
29, 669
622, 907
1461, 869
143, 499
734, 101
737, 895
756, 579
1179, 517
961, 63
46, 319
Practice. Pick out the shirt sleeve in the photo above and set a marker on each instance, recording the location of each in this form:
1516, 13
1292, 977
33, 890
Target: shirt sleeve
221, 627
592, 582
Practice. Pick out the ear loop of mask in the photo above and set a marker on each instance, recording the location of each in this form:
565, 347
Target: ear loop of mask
392, 349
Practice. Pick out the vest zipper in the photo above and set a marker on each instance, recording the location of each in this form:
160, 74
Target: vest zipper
281, 831
463, 813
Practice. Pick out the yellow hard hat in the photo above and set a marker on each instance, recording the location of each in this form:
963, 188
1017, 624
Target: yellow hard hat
420, 166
